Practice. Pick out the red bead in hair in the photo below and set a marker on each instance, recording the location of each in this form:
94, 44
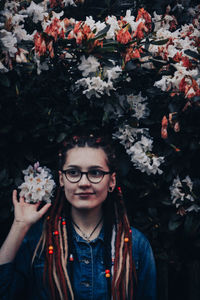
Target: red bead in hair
63, 221
75, 138
119, 189
71, 258
98, 140
55, 232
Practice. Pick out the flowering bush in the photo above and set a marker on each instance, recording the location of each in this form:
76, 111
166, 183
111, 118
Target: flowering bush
133, 72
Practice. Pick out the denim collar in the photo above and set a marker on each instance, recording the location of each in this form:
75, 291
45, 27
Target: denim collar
79, 239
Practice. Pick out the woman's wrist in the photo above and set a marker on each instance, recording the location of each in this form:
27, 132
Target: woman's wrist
21, 224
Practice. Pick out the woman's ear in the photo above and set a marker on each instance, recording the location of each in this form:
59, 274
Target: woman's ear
112, 183
61, 178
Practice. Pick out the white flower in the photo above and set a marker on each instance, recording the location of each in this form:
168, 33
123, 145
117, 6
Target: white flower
173, 51
139, 147
145, 162
12, 5
157, 21
68, 2
17, 18
88, 65
194, 207
95, 26
127, 135
179, 197
8, 42
137, 103
113, 73
38, 184
131, 20
112, 21
36, 12
163, 83
21, 34
95, 86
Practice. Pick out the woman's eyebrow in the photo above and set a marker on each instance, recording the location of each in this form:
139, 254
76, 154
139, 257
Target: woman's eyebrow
90, 167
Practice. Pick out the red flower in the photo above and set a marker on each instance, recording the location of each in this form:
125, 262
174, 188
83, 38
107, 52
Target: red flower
143, 14
189, 87
164, 133
55, 30
132, 53
139, 33
40, 45
124, 36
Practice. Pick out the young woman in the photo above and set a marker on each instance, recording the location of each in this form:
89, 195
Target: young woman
84, 248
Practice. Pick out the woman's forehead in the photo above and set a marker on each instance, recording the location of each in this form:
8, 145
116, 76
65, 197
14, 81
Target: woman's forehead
86, 156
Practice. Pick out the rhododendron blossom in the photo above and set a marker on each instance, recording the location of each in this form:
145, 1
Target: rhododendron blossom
38, 184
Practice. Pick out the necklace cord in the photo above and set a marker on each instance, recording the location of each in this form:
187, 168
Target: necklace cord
84, 235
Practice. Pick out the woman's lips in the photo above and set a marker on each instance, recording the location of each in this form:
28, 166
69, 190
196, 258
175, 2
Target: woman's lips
84, 194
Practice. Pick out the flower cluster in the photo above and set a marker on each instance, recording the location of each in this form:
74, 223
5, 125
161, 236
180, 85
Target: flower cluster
181, 52
97, 57
138, 145
125, 37
183, 196
38, 184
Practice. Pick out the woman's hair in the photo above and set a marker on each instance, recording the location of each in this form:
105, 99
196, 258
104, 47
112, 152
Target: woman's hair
57, 239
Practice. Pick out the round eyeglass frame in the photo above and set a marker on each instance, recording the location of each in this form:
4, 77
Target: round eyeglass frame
87, 175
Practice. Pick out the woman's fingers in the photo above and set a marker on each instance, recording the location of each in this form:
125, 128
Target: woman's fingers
14, 197
44, 209
22, 200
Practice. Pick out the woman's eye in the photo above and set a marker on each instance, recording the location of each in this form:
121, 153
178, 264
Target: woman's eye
95, 173
73, 172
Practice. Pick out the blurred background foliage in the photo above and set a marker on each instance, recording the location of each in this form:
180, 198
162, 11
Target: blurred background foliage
38, 111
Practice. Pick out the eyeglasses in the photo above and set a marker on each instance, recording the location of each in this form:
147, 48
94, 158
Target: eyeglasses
75, 175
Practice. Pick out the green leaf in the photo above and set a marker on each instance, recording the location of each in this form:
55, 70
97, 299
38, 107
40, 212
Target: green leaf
159, 42
61, 137
4, 80
195, 99
3, 175
175, 222
101, 33
192, 54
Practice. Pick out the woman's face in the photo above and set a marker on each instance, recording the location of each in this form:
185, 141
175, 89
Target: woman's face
84, 194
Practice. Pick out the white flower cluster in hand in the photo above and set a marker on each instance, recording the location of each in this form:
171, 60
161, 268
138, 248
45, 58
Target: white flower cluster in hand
138, 145
38, 184
182, 197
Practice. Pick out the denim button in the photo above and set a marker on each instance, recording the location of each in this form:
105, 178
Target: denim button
85, 283
86, 261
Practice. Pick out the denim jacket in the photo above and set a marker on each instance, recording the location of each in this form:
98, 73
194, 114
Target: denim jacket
20, 280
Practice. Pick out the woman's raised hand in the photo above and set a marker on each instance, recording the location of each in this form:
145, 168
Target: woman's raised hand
26, 213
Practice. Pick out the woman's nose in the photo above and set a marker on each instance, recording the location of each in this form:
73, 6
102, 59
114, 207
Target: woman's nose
84, 181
